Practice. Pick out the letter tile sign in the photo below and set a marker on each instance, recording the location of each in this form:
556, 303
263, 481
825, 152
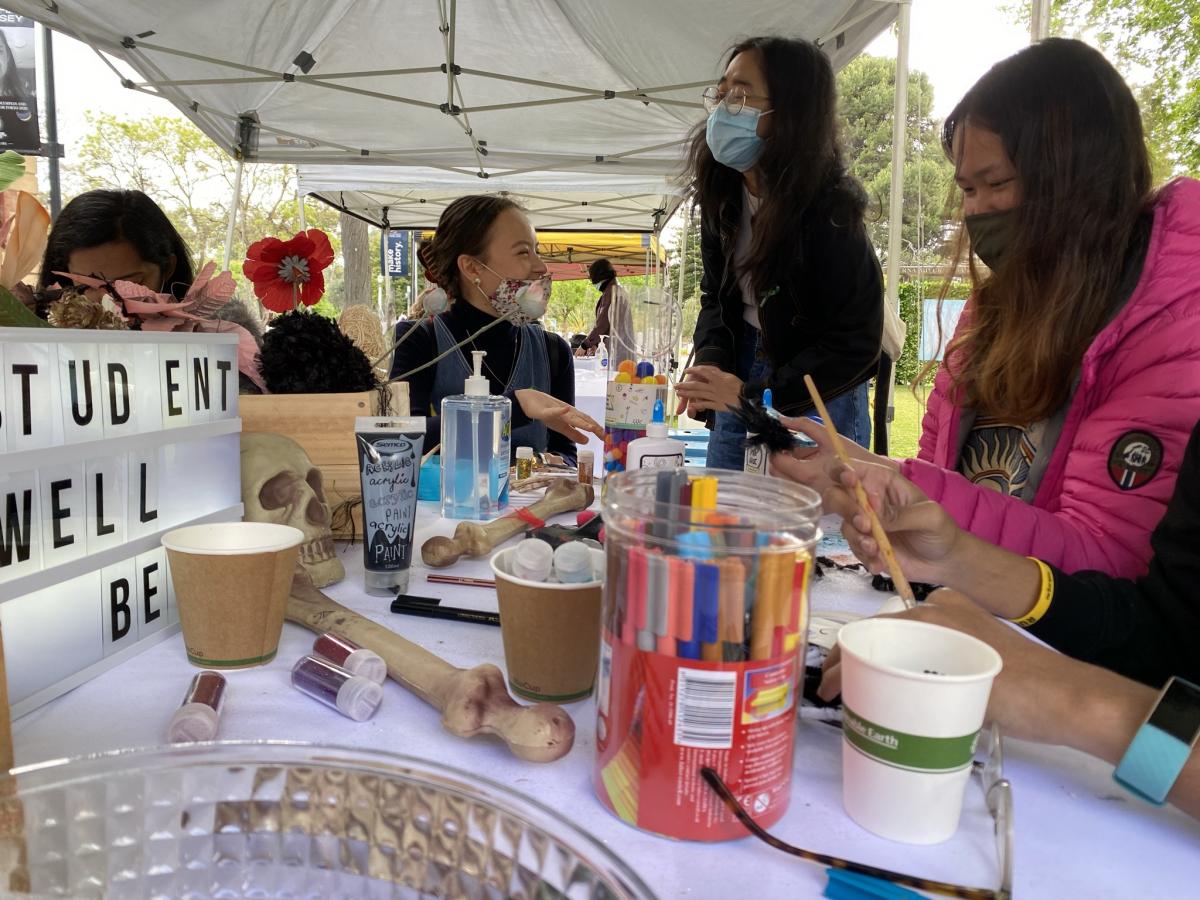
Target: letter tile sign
107, 440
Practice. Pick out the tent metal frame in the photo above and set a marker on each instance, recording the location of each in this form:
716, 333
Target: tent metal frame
245, 147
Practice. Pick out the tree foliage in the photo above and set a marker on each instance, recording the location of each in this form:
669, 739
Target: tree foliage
192, 179
866, 88
1156, 45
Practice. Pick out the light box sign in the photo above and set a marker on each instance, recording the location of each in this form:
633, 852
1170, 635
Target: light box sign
107, 440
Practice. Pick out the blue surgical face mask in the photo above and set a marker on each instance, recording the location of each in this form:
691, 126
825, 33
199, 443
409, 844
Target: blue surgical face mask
733, 139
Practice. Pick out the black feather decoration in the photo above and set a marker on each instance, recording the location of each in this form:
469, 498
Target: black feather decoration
763, 429
306, 353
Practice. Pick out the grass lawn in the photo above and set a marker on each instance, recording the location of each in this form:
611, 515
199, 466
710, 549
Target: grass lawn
906, 427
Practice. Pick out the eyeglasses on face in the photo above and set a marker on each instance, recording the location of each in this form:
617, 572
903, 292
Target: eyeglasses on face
997, 792
734, 99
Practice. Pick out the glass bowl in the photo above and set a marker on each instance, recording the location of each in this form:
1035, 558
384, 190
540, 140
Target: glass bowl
290, 820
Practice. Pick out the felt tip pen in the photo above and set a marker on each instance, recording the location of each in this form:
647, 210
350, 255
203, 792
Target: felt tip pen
449, 613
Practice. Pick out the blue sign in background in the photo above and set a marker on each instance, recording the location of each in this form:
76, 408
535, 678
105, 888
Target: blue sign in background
393, 253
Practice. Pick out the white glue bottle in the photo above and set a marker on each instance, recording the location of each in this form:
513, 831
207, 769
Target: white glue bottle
655, 450
756, 456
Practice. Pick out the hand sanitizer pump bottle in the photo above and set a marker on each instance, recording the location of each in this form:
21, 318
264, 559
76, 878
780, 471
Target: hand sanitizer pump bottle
476, 432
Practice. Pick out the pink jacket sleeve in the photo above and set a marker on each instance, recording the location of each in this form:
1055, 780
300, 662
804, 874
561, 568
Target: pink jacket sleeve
1081, 518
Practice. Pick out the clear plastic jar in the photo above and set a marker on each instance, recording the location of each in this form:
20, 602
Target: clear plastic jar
705, 618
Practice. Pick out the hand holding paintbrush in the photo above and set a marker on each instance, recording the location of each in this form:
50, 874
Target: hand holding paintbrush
885, 545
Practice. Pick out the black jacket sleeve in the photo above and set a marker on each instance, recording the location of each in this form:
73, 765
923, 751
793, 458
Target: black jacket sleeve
836, 328
714, 338
419, 348
1145, 629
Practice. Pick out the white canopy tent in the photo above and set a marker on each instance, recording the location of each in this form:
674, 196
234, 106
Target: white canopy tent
567, 101
475, 87
411, 197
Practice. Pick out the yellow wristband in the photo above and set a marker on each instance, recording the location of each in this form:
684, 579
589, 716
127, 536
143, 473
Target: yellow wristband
1045, 596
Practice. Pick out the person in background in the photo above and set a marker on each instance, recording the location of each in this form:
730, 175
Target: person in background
118, 236
791, 284
1058, 421
576, 341
614, 318
483, 256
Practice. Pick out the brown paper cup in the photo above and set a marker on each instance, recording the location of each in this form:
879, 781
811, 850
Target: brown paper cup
551, 635
232, 581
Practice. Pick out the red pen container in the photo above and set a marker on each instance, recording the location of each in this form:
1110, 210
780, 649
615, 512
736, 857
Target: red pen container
705, 623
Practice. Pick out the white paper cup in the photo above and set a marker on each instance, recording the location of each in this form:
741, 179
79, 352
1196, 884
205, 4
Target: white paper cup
914, 697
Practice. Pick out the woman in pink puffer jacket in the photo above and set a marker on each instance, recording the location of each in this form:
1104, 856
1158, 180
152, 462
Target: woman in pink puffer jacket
1057, 425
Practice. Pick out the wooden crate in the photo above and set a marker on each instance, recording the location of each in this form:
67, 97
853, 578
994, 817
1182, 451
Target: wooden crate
323, 424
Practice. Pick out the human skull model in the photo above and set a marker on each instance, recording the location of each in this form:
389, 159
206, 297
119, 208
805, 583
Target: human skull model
281, 485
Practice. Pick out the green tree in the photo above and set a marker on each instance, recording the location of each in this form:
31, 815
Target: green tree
866, 88
693, 270
1159, 37
192, 179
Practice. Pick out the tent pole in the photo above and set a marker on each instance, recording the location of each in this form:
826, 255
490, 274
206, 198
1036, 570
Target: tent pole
1039, 20
300, 204
387, 290
233, 210
412, 269
885, 392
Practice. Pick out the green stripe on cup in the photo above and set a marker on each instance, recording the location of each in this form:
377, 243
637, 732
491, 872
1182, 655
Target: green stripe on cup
231, 663
908, 751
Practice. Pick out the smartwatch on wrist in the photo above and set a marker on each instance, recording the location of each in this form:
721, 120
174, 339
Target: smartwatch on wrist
1161, 747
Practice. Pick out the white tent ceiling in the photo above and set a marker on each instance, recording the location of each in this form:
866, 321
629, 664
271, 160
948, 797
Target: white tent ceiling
588, 99
413, 197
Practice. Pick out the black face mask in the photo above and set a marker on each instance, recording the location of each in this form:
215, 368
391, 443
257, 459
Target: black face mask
991, 235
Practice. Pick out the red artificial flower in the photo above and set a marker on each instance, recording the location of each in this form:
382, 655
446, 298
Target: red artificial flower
288, 273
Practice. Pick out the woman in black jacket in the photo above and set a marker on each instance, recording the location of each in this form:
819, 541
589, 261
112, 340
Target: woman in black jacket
791, 283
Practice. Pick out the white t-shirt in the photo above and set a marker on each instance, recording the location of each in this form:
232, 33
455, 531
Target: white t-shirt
741, 252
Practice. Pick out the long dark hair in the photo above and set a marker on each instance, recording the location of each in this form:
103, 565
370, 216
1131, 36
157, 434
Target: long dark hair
801, 165
102, 216
1073, 131
463, 227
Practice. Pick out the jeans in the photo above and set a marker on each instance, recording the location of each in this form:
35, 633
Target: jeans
851, 412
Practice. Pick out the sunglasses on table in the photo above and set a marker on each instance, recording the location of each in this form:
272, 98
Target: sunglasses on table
997, 792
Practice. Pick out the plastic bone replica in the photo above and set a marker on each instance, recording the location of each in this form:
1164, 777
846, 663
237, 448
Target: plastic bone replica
474, 539
281, 485
471, 701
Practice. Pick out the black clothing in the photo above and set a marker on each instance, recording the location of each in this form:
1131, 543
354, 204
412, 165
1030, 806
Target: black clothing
824, 319
1146, 629
500, 344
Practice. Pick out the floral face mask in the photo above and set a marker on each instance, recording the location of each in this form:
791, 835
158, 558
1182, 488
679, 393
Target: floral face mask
521, 302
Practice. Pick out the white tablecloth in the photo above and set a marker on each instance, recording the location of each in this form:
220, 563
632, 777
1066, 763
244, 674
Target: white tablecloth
1077, 833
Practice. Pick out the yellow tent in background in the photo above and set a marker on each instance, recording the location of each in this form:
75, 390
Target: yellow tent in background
568, 253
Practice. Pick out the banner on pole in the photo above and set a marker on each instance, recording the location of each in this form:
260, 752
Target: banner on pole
18, 85
393, 253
